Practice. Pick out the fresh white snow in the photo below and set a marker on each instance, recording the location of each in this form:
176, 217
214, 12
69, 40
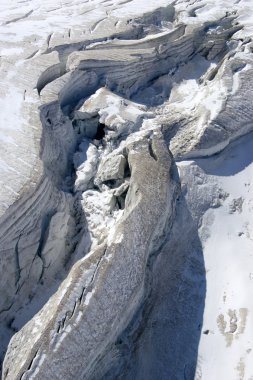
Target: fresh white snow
225, 230
225, 349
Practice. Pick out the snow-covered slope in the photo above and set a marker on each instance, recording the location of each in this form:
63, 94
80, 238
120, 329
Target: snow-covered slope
123, 169
201, 316
225, 350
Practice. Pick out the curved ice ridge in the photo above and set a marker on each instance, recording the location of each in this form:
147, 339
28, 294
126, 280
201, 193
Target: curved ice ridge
193, 81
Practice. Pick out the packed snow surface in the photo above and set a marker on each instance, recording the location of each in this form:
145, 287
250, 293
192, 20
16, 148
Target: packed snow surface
156, 248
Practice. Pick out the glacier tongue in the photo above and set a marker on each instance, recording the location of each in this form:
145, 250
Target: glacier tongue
126, 200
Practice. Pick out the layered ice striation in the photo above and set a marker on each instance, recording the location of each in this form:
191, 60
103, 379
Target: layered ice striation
126, 198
